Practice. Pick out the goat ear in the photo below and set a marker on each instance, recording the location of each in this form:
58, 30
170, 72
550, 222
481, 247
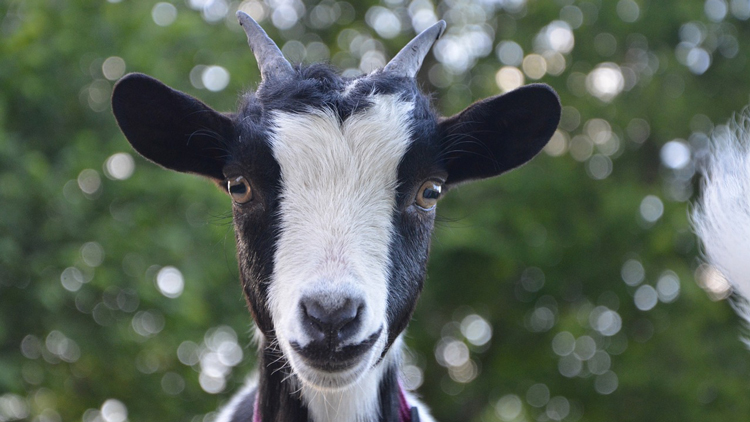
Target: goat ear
171, 128
500, 133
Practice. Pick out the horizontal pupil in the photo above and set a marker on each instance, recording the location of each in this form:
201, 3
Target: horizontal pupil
431, 193
237, 189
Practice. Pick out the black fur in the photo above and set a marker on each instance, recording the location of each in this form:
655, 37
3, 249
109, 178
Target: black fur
389, 396
500, 133
280, 401
171, 128
412, 226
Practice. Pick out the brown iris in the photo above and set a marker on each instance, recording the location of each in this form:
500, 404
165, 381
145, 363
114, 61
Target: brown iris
240, 190
428, 195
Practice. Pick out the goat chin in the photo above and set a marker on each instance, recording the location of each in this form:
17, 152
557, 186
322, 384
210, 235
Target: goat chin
323, 381
722, 216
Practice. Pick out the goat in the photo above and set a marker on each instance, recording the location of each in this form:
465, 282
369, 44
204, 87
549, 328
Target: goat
334, 183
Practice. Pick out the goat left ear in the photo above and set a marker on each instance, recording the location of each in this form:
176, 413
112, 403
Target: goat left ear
171, 128
498, 134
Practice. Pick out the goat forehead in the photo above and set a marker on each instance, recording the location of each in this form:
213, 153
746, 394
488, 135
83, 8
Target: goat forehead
317, 151
338, 185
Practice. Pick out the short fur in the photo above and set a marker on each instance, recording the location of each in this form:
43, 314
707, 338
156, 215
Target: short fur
334, 224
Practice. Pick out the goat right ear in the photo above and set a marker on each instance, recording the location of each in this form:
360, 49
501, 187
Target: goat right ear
498, 134
171, 128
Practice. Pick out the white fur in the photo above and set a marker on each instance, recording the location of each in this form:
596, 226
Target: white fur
358, 402
338, 182
347, 404
229, 409
722, 217
349, 87
424, 411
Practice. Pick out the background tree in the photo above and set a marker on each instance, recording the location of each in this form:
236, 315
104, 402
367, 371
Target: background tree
568, 290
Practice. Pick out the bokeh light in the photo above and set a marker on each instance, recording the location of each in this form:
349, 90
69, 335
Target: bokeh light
652, 208
605, 82
668, 287
114, 410
638, 130
740, 9
599, 167
534, 66
605, 44
219, 353
113, 68
62, 347
170, 282
537, 395
476, 330
13, 407
286, 13
119, 166
172, 383
675, 154
89, 181
509, 78
557, 36
606, 383
558, 144
509, 407
716, 10
148, 323
509, 53
383, 21
92, 254
211, 10
585, 347
563, 343
215, 78
164, 14
72, 279
713, 282
628, 10
606, 321
645, 297
558, 408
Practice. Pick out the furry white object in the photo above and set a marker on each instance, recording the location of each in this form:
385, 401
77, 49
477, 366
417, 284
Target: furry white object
338, 185
722, 216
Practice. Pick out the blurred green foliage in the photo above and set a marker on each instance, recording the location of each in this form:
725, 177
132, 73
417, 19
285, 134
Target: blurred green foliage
82, 320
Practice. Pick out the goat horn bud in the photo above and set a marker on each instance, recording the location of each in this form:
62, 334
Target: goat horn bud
271, 61
409, 60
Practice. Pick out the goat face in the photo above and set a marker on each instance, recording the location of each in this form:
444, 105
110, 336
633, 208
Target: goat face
348, 239
329, 291
334, 183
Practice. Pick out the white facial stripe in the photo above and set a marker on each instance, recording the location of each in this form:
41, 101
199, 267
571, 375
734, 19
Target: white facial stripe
336, 204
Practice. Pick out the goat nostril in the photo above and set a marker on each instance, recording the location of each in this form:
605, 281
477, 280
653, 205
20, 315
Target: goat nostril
313, 325
336, 323
349, 328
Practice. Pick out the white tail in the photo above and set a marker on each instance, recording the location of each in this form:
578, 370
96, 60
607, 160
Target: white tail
722, 216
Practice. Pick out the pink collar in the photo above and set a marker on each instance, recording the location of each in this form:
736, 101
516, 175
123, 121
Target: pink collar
405, 412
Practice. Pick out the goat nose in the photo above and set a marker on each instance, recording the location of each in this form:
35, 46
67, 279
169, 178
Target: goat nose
334, 324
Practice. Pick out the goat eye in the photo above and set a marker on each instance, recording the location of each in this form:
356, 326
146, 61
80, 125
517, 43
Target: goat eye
240, 190
428, 195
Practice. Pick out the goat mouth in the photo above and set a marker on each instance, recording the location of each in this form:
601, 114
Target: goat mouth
326, 356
